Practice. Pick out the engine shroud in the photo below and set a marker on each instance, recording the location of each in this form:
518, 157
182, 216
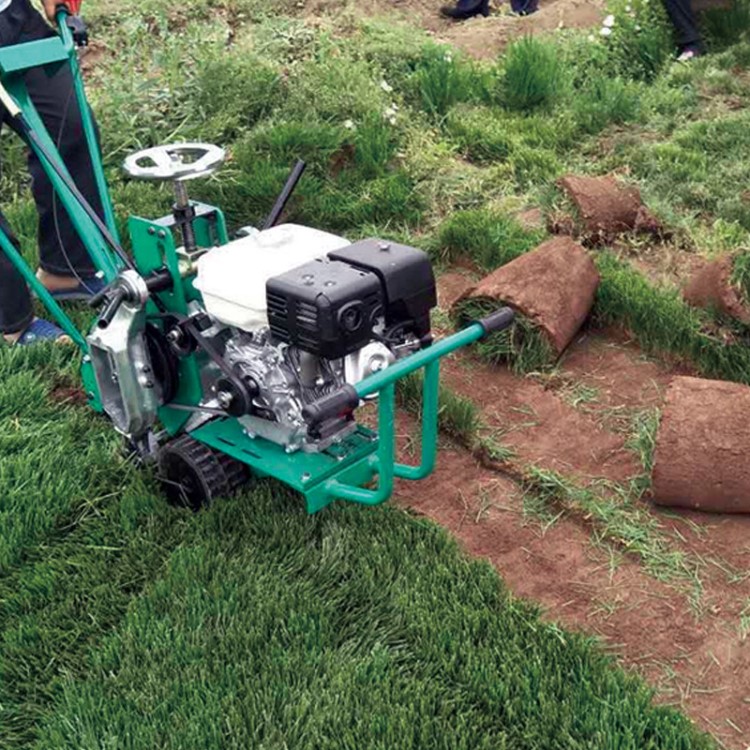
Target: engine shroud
327, 308
333, 306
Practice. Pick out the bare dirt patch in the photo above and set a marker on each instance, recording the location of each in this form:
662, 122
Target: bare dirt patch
487, 37
700, 663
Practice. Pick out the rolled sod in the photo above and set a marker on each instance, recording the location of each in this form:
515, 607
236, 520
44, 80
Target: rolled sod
551, 288
607, 207
702, 445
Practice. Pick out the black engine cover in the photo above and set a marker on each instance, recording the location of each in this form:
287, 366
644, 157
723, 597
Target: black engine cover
325, 307
329, 307
407, 278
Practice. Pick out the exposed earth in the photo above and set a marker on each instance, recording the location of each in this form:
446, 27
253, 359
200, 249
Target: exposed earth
486, 37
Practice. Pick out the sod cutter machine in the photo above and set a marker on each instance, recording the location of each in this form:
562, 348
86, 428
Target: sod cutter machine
223, 358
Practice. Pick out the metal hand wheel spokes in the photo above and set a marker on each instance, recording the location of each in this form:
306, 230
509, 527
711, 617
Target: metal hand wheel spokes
175, 162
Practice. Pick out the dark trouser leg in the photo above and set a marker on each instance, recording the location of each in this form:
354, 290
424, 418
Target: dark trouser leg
60, 249
524, 7
683, 19
15, 302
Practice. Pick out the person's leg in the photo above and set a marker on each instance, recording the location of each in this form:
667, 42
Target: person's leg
464, 9
15, 302
63, 255
683, 19
524, 7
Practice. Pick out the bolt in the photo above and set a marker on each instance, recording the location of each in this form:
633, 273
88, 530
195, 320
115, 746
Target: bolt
162, 234
384, 247
146, 369
149, 384
151, 230
90, 396
225, 399
174, 335
306, 477
86, 359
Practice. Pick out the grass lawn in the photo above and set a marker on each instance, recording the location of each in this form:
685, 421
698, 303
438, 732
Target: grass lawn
128, 624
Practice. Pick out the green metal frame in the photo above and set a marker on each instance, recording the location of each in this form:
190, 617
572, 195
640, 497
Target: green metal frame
362, 468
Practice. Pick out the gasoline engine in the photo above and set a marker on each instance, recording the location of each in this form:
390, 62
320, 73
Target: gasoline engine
287, 316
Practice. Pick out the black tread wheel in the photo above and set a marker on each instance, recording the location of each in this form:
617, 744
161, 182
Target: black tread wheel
193, 475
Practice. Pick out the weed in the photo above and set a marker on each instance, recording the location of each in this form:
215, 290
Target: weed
740, 276
443, 79
643, 437
458, 417
744, 626
725, 26
661, 321
605, 100
531, 75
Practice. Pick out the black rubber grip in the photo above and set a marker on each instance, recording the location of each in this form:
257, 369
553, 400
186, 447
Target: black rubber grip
497, 321
335, 404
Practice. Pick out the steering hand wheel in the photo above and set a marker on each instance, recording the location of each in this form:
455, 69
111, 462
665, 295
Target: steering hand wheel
175, 162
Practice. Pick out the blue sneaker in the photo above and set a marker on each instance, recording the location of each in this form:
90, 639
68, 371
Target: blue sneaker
39, 331
87, 288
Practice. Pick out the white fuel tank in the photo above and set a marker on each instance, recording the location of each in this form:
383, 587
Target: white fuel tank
232, 277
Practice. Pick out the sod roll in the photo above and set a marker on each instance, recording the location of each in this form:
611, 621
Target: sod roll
607, 207
553, 287
702, 447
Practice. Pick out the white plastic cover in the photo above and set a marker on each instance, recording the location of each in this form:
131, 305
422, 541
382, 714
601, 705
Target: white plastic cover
232, 278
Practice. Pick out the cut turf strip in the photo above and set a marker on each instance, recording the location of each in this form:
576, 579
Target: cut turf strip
552, 289
702, 446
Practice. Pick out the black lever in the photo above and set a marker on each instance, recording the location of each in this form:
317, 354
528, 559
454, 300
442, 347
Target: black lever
110, 309
286, 194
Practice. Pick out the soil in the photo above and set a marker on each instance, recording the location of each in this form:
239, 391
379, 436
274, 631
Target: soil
487, 37
553, 286
711, 287
696, 662
63, 393
702, 447
661, 262
691, 645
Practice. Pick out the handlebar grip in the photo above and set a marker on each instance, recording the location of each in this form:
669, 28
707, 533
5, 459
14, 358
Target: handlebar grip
497, 321
111, 308
333, 405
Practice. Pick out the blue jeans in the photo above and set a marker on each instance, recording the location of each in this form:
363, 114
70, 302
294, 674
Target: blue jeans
60, 249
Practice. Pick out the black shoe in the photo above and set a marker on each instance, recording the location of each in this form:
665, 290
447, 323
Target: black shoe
466, 9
